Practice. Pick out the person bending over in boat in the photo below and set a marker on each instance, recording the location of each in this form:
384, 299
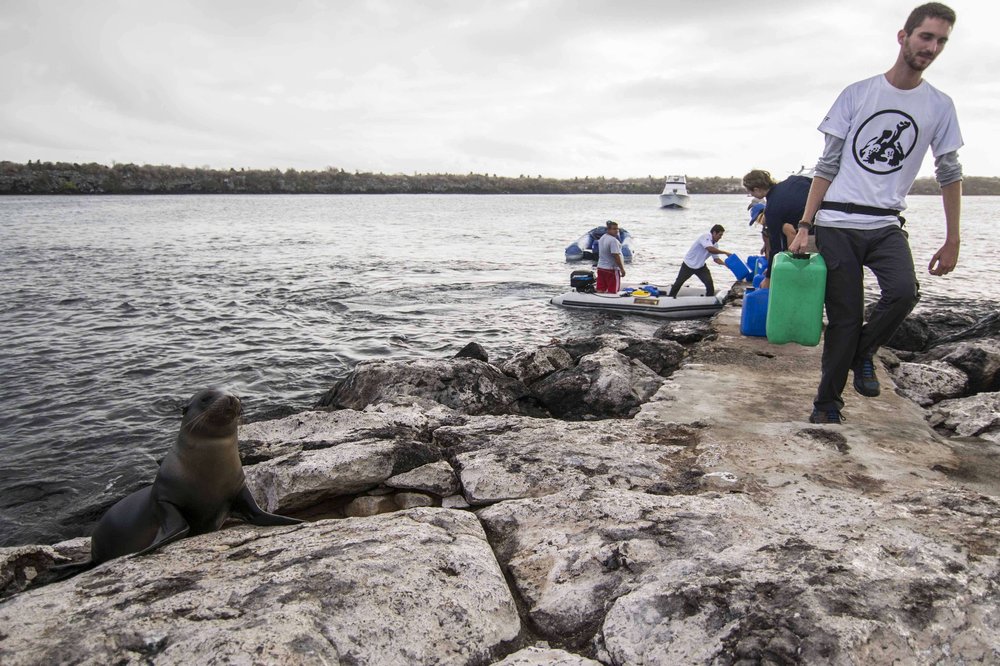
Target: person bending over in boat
610, 267
696, 258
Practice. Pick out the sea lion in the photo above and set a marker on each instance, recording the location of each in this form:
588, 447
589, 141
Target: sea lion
200, 483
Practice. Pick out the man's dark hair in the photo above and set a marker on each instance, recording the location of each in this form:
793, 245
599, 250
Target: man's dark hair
929, 10
610, 223
717, 228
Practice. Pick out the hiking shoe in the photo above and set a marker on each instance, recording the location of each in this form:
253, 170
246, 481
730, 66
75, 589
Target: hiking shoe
826, 416
865, 381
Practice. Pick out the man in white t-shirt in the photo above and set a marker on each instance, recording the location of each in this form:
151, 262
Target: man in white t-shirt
610, 267
696, 259
877, 134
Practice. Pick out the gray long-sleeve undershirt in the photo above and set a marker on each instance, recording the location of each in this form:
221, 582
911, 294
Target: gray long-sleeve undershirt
947, 168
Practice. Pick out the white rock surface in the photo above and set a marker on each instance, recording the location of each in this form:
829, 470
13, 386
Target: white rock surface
928, 383
528, 457
399, 418
437, 478
537, 656
299, 480
976, 416
414, 587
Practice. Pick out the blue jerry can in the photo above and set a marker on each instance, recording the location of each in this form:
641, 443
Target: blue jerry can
753, 320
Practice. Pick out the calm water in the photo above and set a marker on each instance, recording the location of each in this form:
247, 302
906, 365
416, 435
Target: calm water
116, 309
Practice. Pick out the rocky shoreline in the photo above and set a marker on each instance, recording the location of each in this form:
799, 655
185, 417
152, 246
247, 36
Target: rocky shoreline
605, 500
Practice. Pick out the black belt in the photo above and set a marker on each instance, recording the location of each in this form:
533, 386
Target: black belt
858, 208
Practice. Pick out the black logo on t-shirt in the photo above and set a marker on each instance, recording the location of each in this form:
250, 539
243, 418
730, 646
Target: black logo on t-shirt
884, 141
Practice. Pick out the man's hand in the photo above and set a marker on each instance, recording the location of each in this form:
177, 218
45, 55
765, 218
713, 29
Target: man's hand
719, 261
944, 260
800, 241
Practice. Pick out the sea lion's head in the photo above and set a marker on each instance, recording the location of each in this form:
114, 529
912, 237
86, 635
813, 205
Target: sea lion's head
212, 412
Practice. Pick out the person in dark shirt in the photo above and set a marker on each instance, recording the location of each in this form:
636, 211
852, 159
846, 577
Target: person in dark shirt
786, 202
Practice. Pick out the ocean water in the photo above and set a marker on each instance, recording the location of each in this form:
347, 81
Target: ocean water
115, 310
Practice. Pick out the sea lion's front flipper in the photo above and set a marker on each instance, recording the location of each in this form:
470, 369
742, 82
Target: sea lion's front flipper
245, 506
173, 526
58, 572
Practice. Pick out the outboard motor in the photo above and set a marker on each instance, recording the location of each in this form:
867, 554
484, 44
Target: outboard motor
582, 281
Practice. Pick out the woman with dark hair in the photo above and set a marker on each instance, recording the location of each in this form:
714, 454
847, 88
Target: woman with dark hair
786, 202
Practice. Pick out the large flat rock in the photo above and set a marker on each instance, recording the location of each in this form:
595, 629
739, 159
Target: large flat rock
415, 587
516, 457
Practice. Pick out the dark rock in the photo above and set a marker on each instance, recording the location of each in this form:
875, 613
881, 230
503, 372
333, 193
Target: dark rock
464, 384
931, 325
473, 350
577, 348
987, 327
912, 335
605, 384
660, 356
530, 366
686, 331
736, 292
979, 359
269, 413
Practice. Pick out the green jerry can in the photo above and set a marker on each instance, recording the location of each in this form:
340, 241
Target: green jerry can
795, 306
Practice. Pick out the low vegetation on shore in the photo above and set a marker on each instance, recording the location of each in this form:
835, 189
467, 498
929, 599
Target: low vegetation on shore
37, 177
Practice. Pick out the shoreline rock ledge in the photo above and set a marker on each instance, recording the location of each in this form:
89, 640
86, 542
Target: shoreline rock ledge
695, 519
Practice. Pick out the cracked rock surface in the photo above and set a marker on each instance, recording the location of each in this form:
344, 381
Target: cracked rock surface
714, 526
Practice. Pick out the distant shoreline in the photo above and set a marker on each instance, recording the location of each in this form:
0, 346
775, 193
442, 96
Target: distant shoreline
45, 178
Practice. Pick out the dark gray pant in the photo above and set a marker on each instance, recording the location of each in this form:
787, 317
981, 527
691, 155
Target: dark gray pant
686, 272
848, 339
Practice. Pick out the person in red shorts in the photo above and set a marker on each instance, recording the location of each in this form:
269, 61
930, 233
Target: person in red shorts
610, 267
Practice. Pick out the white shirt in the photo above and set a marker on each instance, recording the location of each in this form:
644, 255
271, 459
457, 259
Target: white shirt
607, 245
886, 133
698, 254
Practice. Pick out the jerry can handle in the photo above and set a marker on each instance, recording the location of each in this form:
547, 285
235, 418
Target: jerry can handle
800, 255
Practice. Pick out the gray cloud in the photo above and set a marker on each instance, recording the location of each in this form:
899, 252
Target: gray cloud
557, 87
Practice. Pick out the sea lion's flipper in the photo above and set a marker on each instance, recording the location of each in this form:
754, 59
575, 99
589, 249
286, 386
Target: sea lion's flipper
245, 506
58, 572
173, 526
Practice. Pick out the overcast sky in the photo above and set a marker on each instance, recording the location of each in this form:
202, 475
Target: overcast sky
559, 88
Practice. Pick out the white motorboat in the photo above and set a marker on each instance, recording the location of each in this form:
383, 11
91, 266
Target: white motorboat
690, 303
675, 193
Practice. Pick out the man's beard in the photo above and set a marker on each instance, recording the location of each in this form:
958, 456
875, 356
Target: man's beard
910, 57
